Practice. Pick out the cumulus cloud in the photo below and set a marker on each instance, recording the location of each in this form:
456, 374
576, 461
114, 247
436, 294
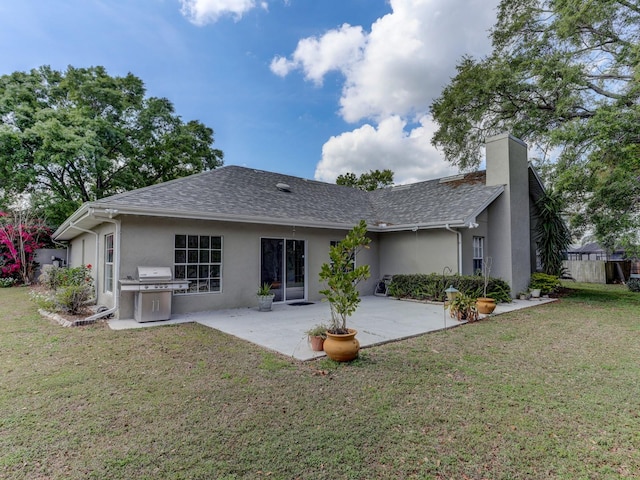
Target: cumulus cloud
335, 50
392, 74
408, 153
202, 12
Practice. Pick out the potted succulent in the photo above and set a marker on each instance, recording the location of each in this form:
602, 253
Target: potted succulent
463, 308
341, 277
486, 305
316, 336
265, 297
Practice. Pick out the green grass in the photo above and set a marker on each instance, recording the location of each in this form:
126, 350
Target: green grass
547, 392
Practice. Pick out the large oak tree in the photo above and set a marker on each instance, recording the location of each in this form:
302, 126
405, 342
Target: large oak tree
564, 76
80, 135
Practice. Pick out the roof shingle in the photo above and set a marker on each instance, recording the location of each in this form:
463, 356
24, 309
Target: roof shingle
248, 193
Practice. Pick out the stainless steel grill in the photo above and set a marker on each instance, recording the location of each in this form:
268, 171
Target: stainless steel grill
153, 291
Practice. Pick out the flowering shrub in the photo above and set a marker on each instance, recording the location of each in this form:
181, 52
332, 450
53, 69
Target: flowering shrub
19, 240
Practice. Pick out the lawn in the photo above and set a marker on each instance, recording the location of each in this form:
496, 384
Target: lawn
547, 392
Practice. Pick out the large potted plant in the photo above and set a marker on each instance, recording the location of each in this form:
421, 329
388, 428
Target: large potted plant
486, 305
341, 276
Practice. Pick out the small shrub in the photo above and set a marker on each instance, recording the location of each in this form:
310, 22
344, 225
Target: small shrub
634, 284
7, 282
71, 289
73, 298
546, 283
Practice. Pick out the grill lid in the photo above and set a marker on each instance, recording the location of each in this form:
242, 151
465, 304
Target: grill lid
154, 274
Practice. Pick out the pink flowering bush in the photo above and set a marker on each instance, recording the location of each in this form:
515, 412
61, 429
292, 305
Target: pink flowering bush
19, 241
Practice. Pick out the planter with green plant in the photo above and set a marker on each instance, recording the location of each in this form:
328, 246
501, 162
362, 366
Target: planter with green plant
265, 297
486, 305
341, 276
463, 308
543, 284
317, 336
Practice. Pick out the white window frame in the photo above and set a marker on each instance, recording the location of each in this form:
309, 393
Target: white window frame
108, 262
478, 254
199, 261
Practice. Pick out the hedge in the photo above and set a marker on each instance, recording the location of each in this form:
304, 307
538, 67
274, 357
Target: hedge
432, 286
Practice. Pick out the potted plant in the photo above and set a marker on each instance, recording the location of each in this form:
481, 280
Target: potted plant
316, 336
341, 276
265, 297
463, 308
486, 305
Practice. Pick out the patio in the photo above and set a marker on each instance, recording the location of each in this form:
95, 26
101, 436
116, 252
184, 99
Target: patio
378, 320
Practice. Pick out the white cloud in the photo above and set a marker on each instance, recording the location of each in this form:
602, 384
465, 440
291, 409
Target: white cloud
335, 50
409, 154
392, 75
201, 12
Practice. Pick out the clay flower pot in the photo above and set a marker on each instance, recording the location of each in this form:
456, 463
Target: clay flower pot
485, 305
342, 347
317, 343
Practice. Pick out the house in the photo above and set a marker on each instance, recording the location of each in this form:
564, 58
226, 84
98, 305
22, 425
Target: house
226, 231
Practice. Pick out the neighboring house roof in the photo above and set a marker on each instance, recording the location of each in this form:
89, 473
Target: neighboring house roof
594, 248
242, 194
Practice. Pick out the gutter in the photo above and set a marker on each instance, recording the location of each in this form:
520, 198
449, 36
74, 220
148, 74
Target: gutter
459, 235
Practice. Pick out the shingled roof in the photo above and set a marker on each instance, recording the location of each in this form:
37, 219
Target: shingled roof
244, 194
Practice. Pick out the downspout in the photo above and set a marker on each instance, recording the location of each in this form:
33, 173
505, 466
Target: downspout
459, 234
116, 272
95, 287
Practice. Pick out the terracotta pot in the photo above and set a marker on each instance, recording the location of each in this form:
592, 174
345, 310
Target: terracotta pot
316, 343
485, 305
342, 347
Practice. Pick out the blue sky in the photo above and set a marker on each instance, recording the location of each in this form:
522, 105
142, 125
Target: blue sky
311, 88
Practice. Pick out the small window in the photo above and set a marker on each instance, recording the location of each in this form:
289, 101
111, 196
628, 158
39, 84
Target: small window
108, 263
198, 259
478, 255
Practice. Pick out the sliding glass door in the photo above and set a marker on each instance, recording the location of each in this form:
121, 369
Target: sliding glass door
282, 264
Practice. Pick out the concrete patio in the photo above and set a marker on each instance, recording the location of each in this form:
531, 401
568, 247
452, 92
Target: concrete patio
377, 320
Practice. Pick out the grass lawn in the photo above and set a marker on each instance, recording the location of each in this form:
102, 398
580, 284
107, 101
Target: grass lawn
547, 392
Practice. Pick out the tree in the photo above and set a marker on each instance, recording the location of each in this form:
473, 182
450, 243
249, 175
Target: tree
563, 76
372, 180
20, 236
342, 277
551, 233
80, 135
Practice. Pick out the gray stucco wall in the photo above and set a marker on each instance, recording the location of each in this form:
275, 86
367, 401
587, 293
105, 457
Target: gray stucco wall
150, 241
482, 230
423, 251
510, 244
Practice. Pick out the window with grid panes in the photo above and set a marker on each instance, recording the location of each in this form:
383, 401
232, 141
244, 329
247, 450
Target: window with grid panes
478, 254
198, 259
108, 263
